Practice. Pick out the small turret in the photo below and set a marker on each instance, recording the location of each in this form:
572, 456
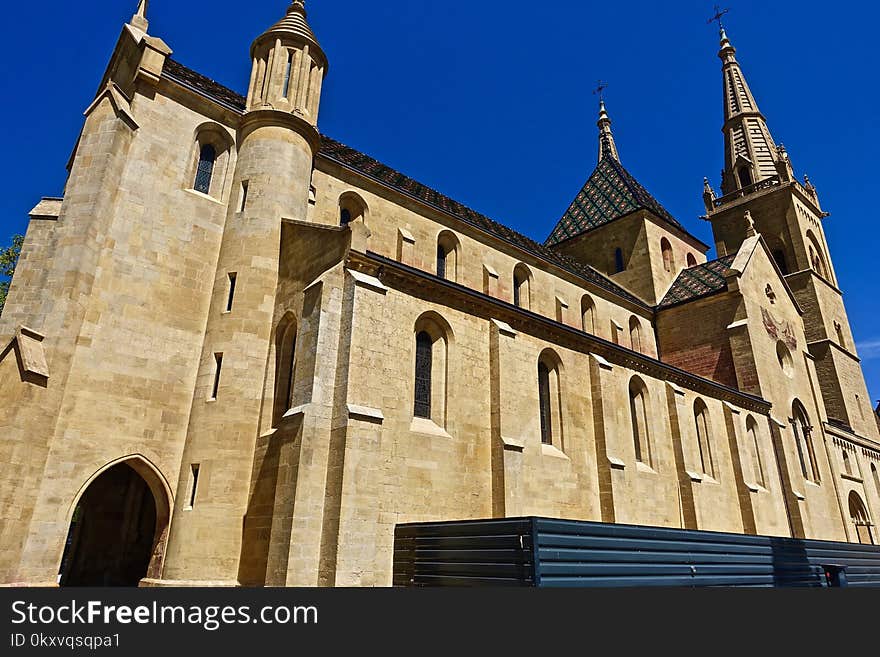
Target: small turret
288, 67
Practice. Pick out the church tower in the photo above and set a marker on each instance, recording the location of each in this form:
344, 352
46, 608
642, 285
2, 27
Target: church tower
758, 177
277, 141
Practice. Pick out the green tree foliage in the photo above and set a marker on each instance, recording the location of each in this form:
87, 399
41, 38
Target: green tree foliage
8, 260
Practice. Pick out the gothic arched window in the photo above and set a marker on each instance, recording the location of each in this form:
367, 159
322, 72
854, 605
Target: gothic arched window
635, 334
521, 286
639, 416
588, 315
550, 399
701, 416
351, 208
668, 256
859, 516
804, 440
430, 387
447, 255
691, 260
285, 366
205, 169
424, 372
544, 400
755, 449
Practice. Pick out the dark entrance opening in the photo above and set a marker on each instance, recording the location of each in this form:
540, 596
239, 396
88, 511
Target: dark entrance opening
112, 533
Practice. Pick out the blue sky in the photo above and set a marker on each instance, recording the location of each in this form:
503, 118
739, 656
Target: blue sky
491, 101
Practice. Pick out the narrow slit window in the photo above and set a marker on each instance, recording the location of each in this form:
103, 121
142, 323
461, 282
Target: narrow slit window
229, 300
242, 200
441, 261
287, 71
619, 264
194, 484
291, 374
218, 361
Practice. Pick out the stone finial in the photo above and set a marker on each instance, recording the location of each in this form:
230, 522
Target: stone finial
708, 196
810, 187
751, 231
139, 20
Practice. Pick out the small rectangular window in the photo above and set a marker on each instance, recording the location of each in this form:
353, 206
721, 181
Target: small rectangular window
193, 484
232, 277
242, 199
218, 360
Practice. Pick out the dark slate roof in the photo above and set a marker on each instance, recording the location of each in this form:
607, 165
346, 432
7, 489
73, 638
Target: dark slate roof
205, 86
371, 168
698, 282
610, 193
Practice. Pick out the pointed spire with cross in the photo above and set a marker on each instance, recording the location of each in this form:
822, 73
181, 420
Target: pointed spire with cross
607, 147
719, 18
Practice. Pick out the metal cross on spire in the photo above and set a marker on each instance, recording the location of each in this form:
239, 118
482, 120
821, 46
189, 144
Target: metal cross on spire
718, 17
600, 90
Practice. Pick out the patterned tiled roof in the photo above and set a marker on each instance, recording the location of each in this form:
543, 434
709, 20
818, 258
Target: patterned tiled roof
610, 193
698, 282
214, 90
367, 166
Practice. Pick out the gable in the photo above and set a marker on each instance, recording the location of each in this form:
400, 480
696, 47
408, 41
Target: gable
699, 281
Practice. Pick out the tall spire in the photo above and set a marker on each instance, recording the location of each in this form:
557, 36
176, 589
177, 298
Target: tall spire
750, 152
607, 147
139, 20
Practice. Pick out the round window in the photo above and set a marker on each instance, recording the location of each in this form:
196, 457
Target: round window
783, 354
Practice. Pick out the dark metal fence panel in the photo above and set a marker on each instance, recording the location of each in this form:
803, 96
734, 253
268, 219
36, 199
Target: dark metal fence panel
558, 553
490, 553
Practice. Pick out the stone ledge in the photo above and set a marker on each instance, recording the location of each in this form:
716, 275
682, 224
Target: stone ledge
644, 467
513, 444
504, 328
427, 428
298, 410
616, 463
365, 414
602, 363
367, 281
206, 197
553, 452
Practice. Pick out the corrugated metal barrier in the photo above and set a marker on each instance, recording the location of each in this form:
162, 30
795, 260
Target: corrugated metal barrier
560, 553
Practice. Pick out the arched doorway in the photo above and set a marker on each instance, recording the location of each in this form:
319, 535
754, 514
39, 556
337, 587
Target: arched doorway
118, 530
859, 516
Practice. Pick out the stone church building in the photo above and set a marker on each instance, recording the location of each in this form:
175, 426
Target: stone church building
239, 352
